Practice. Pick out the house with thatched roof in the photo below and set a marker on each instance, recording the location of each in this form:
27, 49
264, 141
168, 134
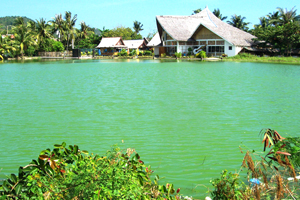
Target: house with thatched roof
111, 46
200, 31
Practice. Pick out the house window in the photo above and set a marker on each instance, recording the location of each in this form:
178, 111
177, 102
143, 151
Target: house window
217, 49
220, 42
202, 42
230, 47
211, 43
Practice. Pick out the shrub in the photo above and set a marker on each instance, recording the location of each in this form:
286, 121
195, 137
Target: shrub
201, 54
147, 53
178, 55
132, 53
30, 51
163, 55
71, 173
58, 46
123, 52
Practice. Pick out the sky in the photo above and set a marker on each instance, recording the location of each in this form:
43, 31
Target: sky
114, 13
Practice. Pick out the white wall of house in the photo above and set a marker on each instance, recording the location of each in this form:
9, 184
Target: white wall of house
234, 49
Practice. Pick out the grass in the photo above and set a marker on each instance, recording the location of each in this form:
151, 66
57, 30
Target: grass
253, 58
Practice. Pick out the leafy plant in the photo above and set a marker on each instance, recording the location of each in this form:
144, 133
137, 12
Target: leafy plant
178, 55
201, 54
71, 173
228, 186
123, 52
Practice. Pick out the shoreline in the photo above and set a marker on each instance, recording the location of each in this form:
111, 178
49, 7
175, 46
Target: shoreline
279, 60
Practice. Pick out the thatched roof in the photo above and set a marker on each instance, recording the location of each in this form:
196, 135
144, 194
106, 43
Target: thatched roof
135, 44
155, 41
182, 28
112, 42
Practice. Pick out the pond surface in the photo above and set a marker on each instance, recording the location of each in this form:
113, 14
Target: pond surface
186, 119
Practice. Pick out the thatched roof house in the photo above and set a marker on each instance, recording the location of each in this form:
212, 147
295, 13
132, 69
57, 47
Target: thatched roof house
112, 45
136, 44
179, 33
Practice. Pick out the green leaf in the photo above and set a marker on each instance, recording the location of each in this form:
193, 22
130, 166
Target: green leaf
75, 150
63, 144
5, 186
18, 189
85, 152
14, 178
58, 146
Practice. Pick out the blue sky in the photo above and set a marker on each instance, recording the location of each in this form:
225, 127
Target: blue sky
113, 13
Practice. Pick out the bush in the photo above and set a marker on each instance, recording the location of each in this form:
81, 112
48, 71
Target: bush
30, 51
123, 52
178, 55
71, 173
163, 55
58, 46
132, 53
147, 53
201, 54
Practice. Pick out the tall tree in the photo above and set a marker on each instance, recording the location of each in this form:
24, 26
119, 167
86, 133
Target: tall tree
218, 14
263, 23
84, 30
58, 26
42, 30
137, 26
273, 18
288, 16
23, 35
69, 27
238, 22
196, 11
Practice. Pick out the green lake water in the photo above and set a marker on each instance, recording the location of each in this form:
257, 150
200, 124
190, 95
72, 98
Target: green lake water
186, 119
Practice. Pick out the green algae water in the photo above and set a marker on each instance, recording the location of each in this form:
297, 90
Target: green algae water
186, 119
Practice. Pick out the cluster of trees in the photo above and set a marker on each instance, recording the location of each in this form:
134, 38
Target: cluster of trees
29, 37
278, 30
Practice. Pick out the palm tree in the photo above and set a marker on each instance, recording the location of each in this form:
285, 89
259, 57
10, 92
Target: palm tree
273, 18
42, 30
196, 11
137, 26
288, 16
85, 30
57, 24
23, 35
6, 46
263, 22
69, 24
238, 22
218, 14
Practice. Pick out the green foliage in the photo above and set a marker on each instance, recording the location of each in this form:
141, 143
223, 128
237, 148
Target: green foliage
147, 53
67, 172
50, 45
133, 52
123, 52
163, 55
125, 33
9, 21
30, 51
57, 46
178, 55
285, 37
228, 186
201, 54
238, 22
253, 58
